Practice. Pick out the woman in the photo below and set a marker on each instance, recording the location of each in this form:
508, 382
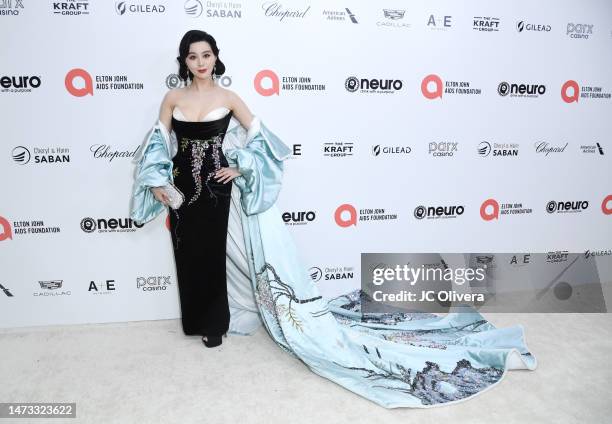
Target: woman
415, 360
201, 172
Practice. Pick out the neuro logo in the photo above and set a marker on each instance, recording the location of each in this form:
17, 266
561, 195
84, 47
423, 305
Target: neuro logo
84, 88
372, 85
427, 82
570, 91
489, 210
566, 206
5, 229
270, 75
351, 84
88, 225
341, 215
173, 81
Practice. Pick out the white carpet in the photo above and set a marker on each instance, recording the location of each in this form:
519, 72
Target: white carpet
149, 372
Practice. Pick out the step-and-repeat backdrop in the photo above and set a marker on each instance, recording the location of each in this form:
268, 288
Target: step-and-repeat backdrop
415, 127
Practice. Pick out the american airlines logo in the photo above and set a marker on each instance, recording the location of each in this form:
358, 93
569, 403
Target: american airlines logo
6, 291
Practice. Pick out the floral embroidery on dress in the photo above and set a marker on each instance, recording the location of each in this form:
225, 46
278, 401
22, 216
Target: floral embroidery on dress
198, 154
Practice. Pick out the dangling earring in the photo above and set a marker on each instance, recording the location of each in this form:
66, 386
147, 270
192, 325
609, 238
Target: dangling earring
214, 77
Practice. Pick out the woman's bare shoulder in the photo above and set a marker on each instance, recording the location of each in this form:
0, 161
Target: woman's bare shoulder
173, 96
231, 97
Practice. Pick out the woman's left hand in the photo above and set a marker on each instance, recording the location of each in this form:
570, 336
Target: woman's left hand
226, 174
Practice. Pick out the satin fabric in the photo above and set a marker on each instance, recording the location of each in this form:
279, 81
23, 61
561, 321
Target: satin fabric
415, 360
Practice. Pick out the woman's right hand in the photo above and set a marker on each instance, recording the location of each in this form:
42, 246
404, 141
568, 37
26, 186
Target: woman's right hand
160, 195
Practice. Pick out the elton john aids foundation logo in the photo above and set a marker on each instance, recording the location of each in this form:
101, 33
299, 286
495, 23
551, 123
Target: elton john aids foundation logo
5, 229
346, 215
489, 210
606, 206
433, 86
570, 92
268, 77
84, 88
428, 82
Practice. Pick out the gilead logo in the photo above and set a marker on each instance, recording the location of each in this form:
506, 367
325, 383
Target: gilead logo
5, 229
426, 84
493, 212
346, 209
266, 74
570, 92
606, 205
79, 91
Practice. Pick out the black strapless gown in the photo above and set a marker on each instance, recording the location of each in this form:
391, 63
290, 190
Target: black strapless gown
199, 226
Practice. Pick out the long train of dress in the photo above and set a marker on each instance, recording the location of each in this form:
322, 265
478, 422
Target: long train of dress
415, 360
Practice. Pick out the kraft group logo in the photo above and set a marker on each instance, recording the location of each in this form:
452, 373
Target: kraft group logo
485, 24
606, 206
6, 232
71, 7
432, 87
571, 91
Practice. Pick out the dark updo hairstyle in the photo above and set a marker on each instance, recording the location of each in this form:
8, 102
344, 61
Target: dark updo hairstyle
194, 36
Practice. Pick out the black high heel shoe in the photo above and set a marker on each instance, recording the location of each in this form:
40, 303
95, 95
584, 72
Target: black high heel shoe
212, 341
